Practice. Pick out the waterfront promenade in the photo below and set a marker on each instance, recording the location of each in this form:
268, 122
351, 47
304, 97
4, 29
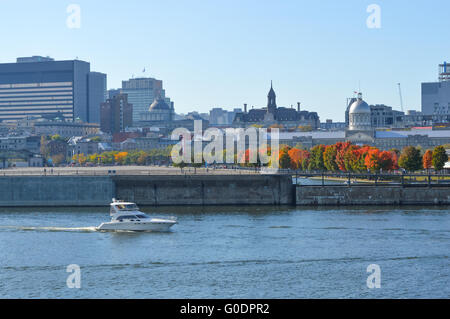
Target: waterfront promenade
121, 171
166, 186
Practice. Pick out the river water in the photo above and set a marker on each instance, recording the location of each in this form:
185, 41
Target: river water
229, 252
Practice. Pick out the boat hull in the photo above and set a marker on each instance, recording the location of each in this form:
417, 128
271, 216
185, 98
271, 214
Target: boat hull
151, 226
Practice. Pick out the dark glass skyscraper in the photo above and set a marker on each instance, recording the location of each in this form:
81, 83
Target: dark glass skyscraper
116, 114
97, 94
42, 87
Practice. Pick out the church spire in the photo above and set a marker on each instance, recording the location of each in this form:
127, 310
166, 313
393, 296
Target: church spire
271, 100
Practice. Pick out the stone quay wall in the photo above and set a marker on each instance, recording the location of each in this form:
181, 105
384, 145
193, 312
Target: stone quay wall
166, 190
371, 195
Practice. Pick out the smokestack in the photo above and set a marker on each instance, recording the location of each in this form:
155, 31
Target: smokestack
245, 108
298, 106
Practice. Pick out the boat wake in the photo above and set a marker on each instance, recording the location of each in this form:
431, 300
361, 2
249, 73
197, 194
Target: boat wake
51, 229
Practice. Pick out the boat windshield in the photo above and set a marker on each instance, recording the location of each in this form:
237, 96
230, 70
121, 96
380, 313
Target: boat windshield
142, 216
127, 207
133, 217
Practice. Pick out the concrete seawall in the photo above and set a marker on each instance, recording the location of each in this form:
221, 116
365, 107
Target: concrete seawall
206, 190
47, 191
371, 195
178, 190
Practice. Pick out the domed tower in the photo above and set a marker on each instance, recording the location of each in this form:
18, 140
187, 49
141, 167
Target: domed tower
159, 110
360, 115
271, 100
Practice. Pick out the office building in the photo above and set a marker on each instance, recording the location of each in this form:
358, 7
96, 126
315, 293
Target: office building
116, 114
436, 95
34, 58
112, 93
97, 95
329, 125
142, 92
40, 86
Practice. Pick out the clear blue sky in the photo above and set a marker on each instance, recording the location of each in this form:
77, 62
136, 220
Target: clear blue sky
214, 53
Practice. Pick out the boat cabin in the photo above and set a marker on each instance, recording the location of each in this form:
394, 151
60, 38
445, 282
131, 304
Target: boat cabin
118, 207
132, 218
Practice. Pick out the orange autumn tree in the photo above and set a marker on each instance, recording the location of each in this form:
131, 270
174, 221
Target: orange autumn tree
352, 157
387, 161
372, 160
427, 160
341, 150
380, 160
394, 155
295, 155
355, 158
120, 157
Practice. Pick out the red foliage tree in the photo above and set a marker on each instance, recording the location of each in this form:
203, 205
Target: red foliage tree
372, 159
295, 155
386, 161
341, 150
428, 160
304, 159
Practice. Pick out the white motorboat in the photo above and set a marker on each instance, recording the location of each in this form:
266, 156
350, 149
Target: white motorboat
127, 217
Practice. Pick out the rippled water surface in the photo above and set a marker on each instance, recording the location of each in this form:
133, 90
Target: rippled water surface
231, 252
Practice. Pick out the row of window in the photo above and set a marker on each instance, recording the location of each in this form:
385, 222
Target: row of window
36, 93
36, 85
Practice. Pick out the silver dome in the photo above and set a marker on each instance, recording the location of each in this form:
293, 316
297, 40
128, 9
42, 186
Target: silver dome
159, 104
360, 107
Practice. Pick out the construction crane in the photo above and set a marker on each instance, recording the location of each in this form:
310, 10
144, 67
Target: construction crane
401, 97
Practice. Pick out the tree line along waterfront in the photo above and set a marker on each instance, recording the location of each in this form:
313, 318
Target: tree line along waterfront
339, 157
348, 157
351, 158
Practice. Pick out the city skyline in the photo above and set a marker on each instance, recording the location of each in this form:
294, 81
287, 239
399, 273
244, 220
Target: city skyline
224, 55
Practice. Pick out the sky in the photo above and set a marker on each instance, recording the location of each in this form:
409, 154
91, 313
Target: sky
215, 53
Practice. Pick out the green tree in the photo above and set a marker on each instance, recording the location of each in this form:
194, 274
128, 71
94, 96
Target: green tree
439, 158
316, 158
285, 160
329, 158
410, 159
